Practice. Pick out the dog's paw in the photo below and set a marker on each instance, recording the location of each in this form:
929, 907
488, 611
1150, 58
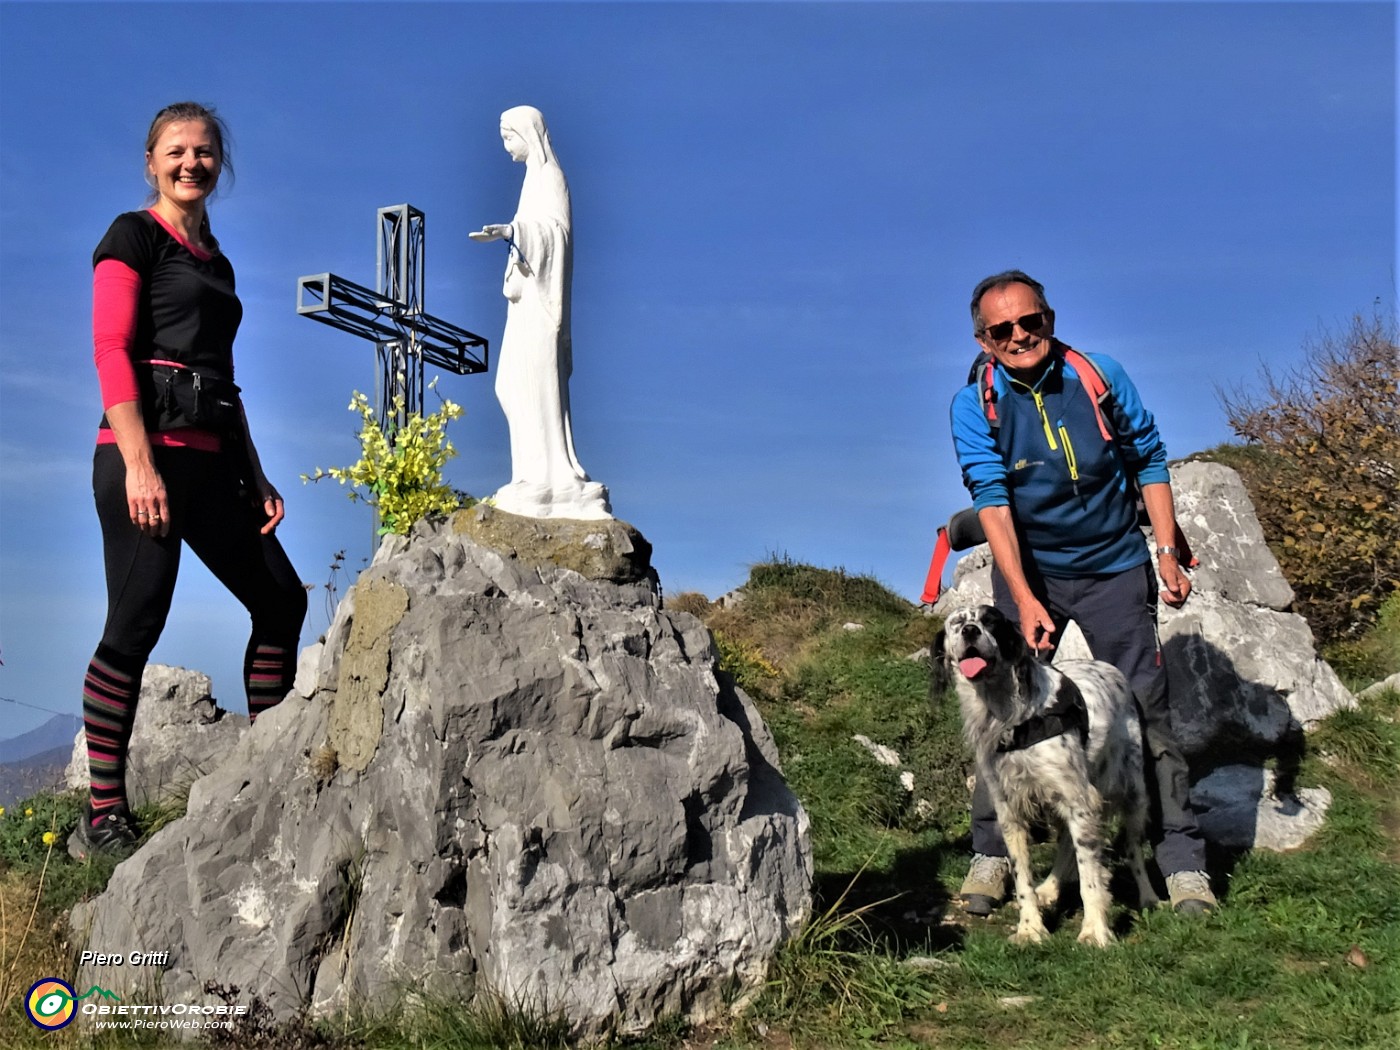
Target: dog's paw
1148, 901
1097, 935
1048, 893
1029, 935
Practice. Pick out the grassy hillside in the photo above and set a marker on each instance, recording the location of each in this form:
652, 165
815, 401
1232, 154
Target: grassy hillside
1304, 954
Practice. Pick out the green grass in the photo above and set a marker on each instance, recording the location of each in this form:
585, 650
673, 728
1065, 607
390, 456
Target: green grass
1304, 954
1373, 655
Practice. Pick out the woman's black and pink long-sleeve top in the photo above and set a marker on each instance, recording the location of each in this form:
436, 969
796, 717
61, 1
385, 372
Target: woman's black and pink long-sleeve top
158, 298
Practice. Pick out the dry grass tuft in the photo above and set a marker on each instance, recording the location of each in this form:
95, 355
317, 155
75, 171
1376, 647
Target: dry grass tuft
692, 602
32, 941
324, 763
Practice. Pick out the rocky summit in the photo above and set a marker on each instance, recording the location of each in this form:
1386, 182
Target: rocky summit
508, 770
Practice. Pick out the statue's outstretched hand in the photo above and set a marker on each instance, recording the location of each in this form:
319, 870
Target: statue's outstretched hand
492, 233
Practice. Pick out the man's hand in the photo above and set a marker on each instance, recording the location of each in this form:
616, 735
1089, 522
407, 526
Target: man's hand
1036, 625
1176, 584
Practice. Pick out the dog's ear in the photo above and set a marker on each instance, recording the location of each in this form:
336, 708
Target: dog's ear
1007, 634
939, 679
1012, 646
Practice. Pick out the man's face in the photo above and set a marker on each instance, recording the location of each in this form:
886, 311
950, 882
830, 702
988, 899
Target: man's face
1018, 349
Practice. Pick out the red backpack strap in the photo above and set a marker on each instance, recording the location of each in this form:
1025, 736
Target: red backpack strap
989, 394
1095, 383
986, 366
933, 583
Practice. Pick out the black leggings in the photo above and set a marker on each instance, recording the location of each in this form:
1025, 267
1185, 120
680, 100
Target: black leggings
220, 526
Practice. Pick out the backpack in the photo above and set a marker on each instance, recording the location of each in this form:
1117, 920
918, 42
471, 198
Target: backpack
964, 529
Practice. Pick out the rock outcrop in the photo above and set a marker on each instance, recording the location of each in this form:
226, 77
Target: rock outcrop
180, 734
1391, 684
496, 775
1243, 672
1243, 807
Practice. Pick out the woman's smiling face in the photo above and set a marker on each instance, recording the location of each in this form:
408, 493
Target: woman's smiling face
185, 162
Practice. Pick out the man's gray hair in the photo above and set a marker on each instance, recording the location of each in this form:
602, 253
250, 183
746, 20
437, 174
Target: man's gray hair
1001, 280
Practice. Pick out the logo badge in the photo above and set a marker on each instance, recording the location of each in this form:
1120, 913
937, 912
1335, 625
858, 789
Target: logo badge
51, 1004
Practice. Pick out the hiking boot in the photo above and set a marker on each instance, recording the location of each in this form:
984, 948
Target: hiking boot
985, 886
115, 833
1190, 893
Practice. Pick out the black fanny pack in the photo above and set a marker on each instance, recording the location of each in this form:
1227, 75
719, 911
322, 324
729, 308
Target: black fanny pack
179, 396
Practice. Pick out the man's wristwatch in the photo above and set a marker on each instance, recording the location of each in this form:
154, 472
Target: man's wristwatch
1169, 550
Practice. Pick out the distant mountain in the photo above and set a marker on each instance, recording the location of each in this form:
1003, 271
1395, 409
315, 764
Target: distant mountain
58, 731
35, 761
28, 776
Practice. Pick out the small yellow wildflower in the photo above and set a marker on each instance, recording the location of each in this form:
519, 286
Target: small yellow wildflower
50, 838
2, 811
29, 812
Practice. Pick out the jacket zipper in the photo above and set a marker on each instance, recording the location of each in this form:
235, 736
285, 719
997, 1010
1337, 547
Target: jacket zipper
1071, 460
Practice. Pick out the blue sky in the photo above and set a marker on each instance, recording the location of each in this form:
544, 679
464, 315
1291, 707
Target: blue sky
779, 211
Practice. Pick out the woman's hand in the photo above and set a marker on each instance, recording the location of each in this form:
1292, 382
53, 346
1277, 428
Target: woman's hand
272, 505
146, 500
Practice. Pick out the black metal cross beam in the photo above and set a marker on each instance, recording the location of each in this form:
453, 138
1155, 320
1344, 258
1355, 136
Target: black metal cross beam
393, 317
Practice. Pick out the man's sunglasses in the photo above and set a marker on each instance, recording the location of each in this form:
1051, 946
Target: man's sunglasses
1030, 324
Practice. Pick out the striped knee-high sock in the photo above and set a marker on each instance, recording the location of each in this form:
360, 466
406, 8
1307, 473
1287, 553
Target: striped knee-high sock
110, 691
268, 671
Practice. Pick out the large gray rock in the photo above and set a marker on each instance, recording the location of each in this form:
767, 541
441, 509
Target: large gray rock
500, 776
179, 735
1243, 673
1244, 669
1243, 806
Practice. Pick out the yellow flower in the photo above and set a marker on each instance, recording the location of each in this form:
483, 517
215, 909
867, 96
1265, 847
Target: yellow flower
50, 838
2, 811
29, 812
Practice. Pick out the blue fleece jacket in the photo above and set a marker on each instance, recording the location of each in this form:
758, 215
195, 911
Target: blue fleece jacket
1069, 490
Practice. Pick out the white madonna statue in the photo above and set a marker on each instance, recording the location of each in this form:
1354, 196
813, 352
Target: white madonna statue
536, 354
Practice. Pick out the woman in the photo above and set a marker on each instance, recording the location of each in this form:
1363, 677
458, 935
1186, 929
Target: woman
532, 381
174, 462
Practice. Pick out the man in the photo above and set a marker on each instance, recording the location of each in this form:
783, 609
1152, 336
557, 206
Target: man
1058, 506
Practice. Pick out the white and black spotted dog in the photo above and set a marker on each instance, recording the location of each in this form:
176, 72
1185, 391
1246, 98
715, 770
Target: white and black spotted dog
1061, 741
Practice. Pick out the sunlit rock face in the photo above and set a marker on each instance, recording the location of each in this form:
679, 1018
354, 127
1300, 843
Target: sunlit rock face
497, 773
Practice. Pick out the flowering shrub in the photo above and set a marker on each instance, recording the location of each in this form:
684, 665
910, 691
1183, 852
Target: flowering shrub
399, 474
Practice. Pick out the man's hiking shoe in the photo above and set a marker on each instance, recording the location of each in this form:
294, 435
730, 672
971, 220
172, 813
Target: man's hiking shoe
985, 886
114, 833
1190, 893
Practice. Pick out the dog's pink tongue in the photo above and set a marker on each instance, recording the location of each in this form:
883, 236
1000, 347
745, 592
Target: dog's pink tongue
972, 666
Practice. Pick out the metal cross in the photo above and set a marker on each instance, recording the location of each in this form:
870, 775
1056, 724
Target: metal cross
394, 317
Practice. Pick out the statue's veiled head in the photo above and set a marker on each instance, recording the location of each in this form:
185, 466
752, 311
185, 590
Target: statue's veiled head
525, 136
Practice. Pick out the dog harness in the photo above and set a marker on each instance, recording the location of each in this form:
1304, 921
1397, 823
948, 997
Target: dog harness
1066, 712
